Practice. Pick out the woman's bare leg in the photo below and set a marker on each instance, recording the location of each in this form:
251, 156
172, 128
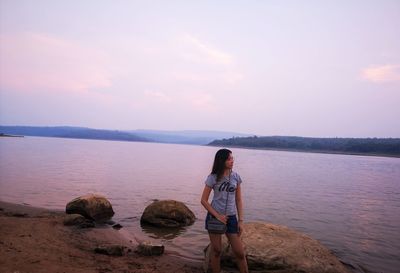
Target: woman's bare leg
215, 254
238, 251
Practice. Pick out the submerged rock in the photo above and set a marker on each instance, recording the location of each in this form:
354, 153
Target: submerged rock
149, 249
168, 213
275, 247
92, 206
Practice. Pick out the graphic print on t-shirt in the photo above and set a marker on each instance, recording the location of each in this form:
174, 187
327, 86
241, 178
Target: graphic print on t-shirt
226, 186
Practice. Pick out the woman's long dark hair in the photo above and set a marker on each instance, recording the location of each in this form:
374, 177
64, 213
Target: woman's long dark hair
219, 162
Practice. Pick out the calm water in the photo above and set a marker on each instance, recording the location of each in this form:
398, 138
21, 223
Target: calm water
349, 203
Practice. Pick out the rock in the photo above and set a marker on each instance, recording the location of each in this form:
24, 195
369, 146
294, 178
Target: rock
276, 247
87, 224
92, 206
149, 249
78, 220
73, 219
112, 250
167, 213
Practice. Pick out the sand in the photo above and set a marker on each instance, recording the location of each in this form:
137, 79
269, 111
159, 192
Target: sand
36, 240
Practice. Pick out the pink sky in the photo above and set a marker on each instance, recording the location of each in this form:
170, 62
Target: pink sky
260, 67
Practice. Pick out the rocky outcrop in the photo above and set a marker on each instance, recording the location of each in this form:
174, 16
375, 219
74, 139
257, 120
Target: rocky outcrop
272, 247
92, 206
167, 213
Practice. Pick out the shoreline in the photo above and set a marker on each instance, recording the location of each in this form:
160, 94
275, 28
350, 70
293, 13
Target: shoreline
34, 239
306, 151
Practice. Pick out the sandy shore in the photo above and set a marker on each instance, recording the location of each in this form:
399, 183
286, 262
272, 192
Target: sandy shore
36, 240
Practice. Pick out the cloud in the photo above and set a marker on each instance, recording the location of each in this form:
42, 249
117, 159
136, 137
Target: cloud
158, 95
40, 62
382, 73
201, 52
204, 66
228, 77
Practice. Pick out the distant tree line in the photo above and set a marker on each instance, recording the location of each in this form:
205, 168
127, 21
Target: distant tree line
384, 146
71, 132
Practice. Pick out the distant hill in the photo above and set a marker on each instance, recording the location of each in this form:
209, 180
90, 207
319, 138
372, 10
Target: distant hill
195, 137
71, 132
185, 136
367, 146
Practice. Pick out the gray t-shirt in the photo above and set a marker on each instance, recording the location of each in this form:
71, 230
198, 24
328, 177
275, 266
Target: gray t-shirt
221, 191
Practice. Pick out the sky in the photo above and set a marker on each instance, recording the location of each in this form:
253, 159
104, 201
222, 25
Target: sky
293, 68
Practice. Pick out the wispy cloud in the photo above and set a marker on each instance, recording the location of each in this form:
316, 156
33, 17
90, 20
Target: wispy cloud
199, 51
35, 61
382, 73
158, 95
205, 65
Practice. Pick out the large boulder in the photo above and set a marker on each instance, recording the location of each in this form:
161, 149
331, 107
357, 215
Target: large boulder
167, 213
92, 206
270, 247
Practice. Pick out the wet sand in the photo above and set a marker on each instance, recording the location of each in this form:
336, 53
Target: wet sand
36, 240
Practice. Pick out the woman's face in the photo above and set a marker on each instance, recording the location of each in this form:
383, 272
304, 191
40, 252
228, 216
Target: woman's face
229, 162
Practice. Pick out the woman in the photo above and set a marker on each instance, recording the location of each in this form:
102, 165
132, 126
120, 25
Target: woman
226, 184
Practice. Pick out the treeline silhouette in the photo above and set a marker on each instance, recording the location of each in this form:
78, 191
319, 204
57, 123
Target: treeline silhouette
71, 132
381, 146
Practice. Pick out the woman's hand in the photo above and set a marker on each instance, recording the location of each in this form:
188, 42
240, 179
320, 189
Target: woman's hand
241, 228
222, 218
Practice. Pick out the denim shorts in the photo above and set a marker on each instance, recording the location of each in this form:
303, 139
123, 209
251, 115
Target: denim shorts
231, 223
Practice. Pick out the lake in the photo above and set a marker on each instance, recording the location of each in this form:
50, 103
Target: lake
350, 203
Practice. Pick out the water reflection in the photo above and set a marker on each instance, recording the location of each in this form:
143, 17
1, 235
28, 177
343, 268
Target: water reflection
162, 232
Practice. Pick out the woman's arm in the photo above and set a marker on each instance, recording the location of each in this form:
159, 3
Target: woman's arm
239, 206
204, 202
239, 202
